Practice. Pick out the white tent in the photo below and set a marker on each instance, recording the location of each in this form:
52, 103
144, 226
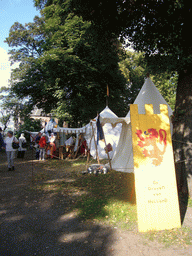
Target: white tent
111, 133
123, 157
77, 131
149, 94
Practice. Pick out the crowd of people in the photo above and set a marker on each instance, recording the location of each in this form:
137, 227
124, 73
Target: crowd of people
45, 145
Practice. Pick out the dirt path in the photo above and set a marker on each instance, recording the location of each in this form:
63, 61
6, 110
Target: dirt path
37, 223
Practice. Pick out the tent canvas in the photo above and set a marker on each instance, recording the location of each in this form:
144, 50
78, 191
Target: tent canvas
111, 133
149, 94
123, 157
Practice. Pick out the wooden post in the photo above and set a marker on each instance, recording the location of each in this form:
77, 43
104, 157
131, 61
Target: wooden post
88, 155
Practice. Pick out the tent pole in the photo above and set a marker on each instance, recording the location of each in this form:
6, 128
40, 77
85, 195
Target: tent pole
107, 152
107, 97
88, 155
95, 145
107, 101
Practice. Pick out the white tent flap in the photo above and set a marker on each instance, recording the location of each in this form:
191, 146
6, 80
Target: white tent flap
123, 157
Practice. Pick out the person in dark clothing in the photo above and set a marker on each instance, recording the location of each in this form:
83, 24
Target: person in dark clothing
2, 144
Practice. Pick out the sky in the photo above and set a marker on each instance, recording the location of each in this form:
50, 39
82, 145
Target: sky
22, 11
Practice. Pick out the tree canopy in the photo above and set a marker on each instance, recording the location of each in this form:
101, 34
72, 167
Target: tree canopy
66, 64
68, 56
155, 27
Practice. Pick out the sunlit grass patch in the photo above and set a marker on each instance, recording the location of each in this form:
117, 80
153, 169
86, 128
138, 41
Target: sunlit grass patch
181, 237
189, 202
110, 212
106, 198
122, 213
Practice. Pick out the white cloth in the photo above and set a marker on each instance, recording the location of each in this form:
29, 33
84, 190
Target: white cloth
69, 142
52, 139
21, 140
8, 142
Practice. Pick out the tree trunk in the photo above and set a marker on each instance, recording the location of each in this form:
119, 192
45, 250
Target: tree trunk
182, 133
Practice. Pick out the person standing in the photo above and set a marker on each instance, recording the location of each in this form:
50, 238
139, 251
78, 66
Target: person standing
2, 144
52, 144
42, 146
10, 151
37, 139
22, 149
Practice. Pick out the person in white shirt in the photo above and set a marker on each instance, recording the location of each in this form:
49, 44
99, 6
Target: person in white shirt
10, 151
22, 149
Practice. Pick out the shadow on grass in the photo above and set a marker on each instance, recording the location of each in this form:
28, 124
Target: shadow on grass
38, 216
94, 196
109, 197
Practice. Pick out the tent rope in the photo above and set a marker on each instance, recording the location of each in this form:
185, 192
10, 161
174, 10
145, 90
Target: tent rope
181, 142
186, 160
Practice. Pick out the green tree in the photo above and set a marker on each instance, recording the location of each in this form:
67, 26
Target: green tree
166, 83
66, 64
134, 68
28, 124
11, 108
29, 79
161, 30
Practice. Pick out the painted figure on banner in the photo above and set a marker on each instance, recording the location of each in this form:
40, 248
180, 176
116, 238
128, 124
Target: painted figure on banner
153, 143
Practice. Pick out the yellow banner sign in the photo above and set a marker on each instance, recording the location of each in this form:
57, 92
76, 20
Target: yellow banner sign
155, 181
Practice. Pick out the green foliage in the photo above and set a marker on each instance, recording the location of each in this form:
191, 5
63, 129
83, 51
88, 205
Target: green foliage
66, 64
189, 202
11, 107
167, 85
28, 79
134, 68
68, 56
29, 124
158, 28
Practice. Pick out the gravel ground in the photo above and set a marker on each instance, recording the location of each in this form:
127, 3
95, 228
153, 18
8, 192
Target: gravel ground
34, 223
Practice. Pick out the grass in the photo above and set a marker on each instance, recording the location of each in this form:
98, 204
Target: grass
189, 202
177, 237
107, 199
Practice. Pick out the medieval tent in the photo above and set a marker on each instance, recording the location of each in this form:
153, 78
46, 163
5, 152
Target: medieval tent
89, 131
111, 134
123, 157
